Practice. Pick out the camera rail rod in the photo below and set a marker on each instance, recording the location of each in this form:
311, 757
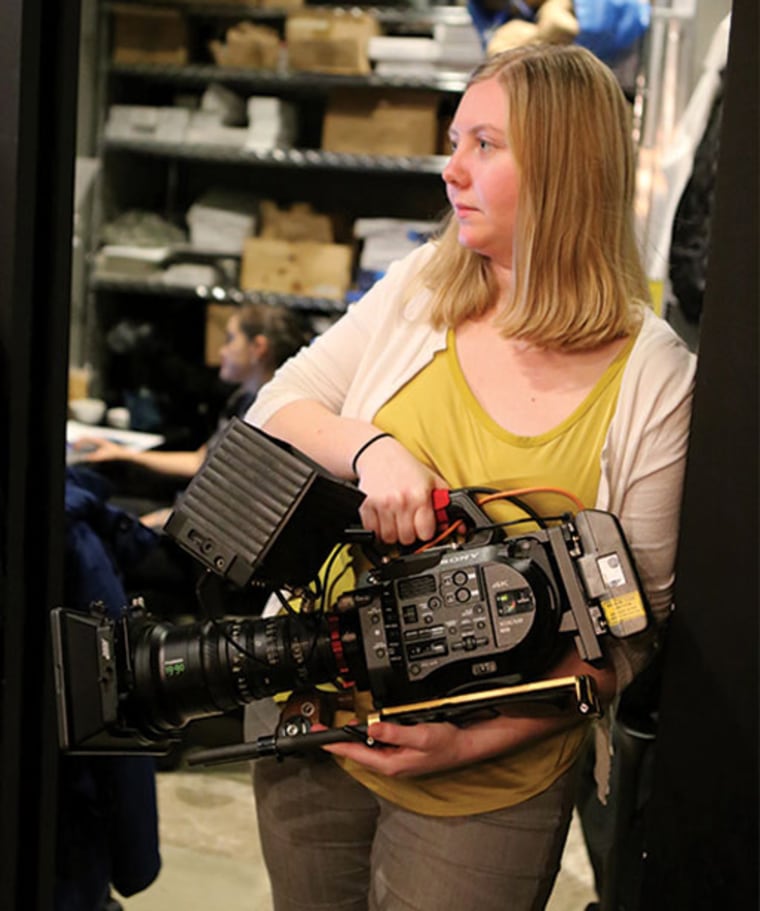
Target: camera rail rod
563, 693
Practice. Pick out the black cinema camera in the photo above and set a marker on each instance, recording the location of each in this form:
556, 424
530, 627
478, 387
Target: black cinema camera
437, 634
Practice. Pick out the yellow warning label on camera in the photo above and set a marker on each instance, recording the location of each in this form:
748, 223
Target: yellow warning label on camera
625, 611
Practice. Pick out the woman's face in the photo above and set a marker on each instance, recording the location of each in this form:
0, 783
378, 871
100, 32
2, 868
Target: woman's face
482, 180
237, 355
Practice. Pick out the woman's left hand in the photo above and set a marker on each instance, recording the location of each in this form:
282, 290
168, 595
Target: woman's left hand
403, 751
406, 750
419, 749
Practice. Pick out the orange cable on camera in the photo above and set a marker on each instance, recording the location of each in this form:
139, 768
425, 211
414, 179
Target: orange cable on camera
455, 527
505, 494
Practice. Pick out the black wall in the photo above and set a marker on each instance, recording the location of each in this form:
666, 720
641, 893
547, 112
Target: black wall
38, 79
702, 851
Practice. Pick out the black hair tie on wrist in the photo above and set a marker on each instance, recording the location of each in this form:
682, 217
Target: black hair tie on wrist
360, 450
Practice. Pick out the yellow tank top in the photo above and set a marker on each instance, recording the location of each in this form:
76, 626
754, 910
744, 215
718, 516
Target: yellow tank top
437, 417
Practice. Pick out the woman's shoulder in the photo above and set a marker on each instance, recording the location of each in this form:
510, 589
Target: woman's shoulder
660, 369
658, 346
398, 290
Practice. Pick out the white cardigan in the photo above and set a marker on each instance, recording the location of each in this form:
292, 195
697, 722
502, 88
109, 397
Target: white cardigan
381, 343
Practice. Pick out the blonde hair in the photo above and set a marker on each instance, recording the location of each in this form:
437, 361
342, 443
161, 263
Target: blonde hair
577, 277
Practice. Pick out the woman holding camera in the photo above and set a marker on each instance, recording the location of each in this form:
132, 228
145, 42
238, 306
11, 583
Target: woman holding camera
516, 350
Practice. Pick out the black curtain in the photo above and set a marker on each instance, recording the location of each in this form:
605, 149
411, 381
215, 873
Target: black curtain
38, 84
702, 842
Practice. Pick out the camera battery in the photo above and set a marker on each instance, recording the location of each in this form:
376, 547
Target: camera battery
608, 573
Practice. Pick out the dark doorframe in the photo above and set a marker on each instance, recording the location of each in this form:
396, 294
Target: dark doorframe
38, 88
702, 845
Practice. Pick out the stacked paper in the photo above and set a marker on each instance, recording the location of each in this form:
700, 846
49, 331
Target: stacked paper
220, 119
459, 46
386, 240
220, 220
454, 48
271, 123
205, 129
157, 124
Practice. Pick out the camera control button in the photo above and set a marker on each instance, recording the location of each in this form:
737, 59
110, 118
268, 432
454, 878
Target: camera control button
463, 595
434, 603
459, 577
410, 613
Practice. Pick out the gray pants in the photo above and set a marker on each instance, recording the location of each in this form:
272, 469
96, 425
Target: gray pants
332, 845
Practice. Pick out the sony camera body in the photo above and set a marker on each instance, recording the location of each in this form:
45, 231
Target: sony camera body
453, 619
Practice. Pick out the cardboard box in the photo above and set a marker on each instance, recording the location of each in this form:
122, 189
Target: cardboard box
280, 4
296, 267
248, 46
381, 123
330, 40
299, 222
149, 34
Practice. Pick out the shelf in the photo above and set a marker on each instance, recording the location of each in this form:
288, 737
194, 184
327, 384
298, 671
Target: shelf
423, 16
213, 293
303, 159
202, 74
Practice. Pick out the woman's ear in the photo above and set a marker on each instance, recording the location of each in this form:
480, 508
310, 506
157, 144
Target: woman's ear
260, 348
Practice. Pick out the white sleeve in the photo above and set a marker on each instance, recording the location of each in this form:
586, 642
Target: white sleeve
646, 459
326, 370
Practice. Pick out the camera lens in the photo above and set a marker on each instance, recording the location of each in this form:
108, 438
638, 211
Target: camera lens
190, 671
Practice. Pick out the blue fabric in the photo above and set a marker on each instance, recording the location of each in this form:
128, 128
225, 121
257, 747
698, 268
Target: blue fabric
608, 28
107, 819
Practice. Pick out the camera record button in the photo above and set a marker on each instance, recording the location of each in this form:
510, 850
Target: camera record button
463, 595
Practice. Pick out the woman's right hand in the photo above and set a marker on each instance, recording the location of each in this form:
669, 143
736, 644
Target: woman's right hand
399, 493
96, 449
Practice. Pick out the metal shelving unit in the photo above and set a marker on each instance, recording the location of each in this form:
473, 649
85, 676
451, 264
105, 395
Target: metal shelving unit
212, 293
166, 177
282, 158
402, 16
274, 81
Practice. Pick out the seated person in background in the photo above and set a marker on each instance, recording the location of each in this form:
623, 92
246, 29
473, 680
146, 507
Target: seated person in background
259, 338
